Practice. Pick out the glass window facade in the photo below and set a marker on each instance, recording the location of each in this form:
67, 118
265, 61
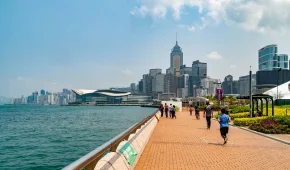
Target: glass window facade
270, 60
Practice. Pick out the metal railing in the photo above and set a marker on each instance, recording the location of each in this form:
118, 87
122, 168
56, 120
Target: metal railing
89, 161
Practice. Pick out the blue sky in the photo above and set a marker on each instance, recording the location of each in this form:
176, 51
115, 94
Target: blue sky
55, 44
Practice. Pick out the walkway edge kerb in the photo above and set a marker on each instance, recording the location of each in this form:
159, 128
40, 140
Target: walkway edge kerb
261, 134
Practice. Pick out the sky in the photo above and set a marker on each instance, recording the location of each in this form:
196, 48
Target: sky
94, 44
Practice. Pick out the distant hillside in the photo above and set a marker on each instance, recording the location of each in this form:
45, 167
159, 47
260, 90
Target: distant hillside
4, 100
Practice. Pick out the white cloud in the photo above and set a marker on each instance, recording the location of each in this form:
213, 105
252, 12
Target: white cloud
233, 66
191, 28
214, 56
127, 72
188, 27
254, 15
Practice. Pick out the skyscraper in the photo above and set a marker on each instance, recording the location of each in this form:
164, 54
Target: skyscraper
245, 86
176, 58
147, 84
182, 86
199, 69
154, 72
158, 83
270, 60
171, 70
170, 84
140, 86
230, 86
185, 70
133, 87
42, 92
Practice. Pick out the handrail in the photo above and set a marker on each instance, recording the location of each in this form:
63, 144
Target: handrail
95, 155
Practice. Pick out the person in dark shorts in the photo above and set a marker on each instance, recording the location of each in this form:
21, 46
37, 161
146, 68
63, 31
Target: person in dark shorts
173, 112
190, 110
166, 110
208, 114
197, 113
224, 120
161, 109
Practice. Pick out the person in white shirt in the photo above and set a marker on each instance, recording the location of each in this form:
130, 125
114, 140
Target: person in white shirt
170, 110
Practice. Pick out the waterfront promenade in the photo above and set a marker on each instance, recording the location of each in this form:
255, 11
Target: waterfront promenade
185, 143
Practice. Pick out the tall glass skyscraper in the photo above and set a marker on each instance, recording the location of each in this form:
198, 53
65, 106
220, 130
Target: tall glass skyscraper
270, 60
176, 58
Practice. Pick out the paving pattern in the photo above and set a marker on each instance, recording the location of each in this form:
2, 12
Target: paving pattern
185, 143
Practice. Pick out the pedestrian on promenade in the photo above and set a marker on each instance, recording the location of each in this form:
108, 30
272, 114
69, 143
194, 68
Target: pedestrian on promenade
227, 110
208, 113
224, 120
197, 113
161, 108
190, 103
190, 110
166, 110
170, 110
173, 112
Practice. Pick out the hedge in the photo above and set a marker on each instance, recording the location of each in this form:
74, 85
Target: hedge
284, 120
248, 121
234, 116
213, 107
238, 115
240, 109
270, 126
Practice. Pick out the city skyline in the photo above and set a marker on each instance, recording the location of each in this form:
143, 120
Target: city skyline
84, 46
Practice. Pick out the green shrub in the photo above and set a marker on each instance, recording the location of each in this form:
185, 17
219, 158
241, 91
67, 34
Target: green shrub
248, 121
284, 120
239, 115
216, 116
213, 107
233, 116
240, 109
270, 127
177, 109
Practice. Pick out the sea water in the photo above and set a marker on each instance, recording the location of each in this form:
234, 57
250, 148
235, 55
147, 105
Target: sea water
51, 137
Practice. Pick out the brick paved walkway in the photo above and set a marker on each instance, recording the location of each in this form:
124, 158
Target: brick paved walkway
185, 143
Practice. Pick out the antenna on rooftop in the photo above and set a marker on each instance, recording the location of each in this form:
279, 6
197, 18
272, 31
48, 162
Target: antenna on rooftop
176, 39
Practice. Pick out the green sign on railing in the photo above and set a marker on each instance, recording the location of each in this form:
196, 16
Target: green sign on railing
129, 152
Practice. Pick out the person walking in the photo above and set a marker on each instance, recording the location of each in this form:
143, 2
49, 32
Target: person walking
197, 113
161, 109
170, 110
173, 112
190, 110
166, 110
227, 111
190, 103
224, 120
208, 113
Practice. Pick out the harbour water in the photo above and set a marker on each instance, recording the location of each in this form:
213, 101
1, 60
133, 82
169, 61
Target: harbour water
51, 137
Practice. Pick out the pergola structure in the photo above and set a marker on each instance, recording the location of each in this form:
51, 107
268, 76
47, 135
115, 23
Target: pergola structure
195, 100
260, 97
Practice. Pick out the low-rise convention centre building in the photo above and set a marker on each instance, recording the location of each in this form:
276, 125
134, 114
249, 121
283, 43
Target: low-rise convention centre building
109, 97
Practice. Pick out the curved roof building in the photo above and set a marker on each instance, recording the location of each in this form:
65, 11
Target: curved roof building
100, 96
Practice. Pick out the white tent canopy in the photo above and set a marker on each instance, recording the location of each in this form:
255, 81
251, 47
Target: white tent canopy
283, 91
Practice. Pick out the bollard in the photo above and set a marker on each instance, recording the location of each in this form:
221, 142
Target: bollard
156, 117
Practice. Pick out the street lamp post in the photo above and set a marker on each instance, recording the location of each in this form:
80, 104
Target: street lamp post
220, 83
278, 82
